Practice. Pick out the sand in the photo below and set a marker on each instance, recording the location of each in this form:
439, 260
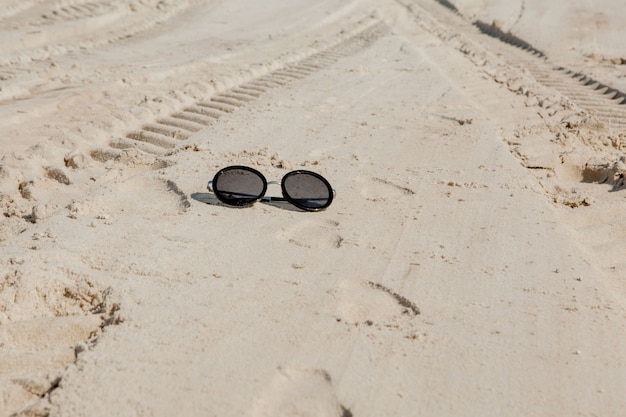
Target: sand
471, 263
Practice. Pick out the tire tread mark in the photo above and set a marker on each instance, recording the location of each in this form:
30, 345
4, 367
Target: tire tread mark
180, 123
228, 101
155, 16
216, 108
249, 92
15, 7
167, 132
121, 144
255, 86
203, 110
274, 80
194, 117
238, 97
576, 86
507, 37
153, 138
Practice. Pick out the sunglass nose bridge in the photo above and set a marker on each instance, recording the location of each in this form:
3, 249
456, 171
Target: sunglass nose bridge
267, 198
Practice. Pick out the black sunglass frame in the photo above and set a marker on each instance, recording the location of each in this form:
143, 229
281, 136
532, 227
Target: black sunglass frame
250, 200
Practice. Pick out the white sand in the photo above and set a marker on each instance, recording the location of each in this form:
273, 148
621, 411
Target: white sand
471, 263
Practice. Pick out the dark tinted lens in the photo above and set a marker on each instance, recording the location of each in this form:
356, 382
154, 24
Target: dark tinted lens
239, 186
307, 190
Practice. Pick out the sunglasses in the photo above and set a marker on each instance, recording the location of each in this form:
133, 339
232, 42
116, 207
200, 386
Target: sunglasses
242, 186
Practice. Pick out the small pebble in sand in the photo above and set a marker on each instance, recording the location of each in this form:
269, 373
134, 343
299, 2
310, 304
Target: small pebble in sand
39, 213
80, 347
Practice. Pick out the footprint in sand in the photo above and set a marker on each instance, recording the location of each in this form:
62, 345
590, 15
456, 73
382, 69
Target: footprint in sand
34, 352
370, 302
319, 234
379, 189
44, 325
157, 197
300, 392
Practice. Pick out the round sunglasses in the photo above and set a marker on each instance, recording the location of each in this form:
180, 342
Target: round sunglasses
242, 186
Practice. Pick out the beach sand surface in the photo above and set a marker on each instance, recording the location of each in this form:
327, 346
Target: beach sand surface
471, 262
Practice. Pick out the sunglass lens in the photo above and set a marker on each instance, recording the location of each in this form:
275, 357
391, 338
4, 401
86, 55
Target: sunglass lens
307, 190
239, 186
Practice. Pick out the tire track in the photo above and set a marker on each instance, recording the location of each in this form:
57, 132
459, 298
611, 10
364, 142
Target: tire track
163, 123
580, 92
506, 37
567, 141
26, 20
565, 96
11, 8
607, 104
75, 10
35, 36
165, 134
101, 23
452, 28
